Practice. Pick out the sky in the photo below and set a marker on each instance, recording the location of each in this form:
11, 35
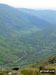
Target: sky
34, 4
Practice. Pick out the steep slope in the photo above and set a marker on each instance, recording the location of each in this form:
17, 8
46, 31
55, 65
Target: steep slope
34, 69
11, 18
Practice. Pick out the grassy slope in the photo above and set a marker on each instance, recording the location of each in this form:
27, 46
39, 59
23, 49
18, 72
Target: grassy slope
34, 68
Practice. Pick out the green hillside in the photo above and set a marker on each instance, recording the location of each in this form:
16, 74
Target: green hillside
24, 38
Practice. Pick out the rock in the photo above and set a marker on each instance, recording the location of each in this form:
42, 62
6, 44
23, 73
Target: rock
15, 69
52, 61
10, 73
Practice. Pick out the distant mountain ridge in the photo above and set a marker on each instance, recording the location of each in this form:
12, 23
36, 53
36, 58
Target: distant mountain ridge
48, 15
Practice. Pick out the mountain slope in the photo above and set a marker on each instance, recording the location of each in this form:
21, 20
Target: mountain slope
48, 15
23, 37
13, 19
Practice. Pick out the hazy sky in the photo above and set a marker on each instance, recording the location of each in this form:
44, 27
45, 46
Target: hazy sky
42, 4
